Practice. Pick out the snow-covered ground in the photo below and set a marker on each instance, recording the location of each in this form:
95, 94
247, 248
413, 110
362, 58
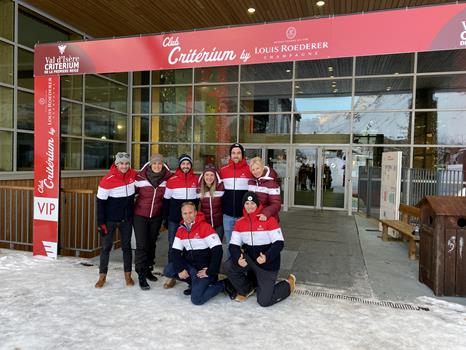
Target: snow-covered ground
54, 305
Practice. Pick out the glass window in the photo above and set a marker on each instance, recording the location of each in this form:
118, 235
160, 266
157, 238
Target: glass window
385, 64
171, 153
171, 128
141, 100
32, 30
323, 95
210, 154
101, 154
70, 153
452, 158
72, 87
26, 69
172, 76
265, 128
269, 71
104, 93
140, 128
6, 151
268, 97
121, 77
441, 61
215, 128
322, 128
216, 74
6, 62
389, 93
139, 155
7, 8
25, 111
6, 107
216, 99
445, 91
25, 152
380, 127
70, 120
141, 78
337, 67
447, 128
104, 124
372, 156
172, 99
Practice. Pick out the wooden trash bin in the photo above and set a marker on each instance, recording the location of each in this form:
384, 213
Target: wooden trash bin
442, 253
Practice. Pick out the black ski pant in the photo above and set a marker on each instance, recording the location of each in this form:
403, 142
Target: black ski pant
125, 228
146, 231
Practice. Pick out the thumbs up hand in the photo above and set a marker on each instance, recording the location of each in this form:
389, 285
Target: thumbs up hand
261, 259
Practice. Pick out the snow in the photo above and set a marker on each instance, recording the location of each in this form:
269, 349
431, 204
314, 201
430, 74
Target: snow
53, 304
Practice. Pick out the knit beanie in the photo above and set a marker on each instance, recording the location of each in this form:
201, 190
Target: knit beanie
122, 157
251, 196
240, 146
184, 157
156, 158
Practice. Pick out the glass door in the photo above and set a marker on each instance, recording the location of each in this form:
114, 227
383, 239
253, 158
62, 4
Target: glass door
333, 178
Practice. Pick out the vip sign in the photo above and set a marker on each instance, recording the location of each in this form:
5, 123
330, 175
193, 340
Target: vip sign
45, 209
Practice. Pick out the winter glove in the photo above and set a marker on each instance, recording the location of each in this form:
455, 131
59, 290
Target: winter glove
102, 229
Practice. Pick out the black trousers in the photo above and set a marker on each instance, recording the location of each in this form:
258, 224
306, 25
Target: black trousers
268, 293
107, 244
146, 231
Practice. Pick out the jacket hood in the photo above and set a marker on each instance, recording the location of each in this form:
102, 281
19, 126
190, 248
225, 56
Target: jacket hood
268, 174
199, 218
146, 167
255, 213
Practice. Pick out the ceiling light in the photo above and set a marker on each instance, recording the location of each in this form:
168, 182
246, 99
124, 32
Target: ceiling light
388, 88
251, 10
320, 3
330, 69
288, 70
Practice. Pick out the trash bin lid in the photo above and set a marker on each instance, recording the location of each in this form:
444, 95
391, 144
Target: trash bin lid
445, 205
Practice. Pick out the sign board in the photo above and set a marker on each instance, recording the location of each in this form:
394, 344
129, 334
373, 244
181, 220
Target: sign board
390, 187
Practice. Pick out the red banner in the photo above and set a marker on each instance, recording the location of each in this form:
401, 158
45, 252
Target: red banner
387, 32
46, 164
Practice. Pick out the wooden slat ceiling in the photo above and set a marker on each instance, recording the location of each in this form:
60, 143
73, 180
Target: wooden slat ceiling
109, 18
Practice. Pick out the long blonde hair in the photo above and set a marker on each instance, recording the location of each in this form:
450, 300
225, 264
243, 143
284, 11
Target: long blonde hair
205, 188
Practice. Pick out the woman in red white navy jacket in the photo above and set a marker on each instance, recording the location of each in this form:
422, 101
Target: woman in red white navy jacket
266, 187
148, 215
197, 253
255, 248
210, 192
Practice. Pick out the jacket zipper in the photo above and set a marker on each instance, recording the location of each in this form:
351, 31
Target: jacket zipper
234, 190
153, 199
211, 211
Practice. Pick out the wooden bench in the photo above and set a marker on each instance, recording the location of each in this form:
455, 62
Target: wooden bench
403, 227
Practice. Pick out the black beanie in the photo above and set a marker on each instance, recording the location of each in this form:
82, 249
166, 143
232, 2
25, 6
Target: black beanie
240, 146
251, 196
184, 157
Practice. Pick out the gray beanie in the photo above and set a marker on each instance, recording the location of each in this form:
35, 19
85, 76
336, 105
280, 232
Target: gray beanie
122, 157
156, 158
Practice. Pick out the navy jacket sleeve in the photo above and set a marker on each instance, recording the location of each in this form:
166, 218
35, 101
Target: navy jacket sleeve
101, 211
215, 260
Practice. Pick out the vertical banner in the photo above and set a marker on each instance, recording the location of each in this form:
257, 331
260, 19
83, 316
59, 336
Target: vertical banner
390, 188
46, 165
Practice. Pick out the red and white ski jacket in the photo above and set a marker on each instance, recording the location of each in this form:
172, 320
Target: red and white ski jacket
235, 179
268, 192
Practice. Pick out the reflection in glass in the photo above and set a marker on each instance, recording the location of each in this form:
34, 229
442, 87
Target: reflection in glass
140, 128
141, 100
332, 178
387, 93
6, 151
385, 64
25, 152
25, 111
121, 77
323, 95
6, 62
215, 128
451, 158
380, 128
265, 128
7, 19
337, 67
172, 99
305, 176
171, 153
141, 78
105, 93
70, 153
268, 71
216, 99
72, 87
172, 76
171, 128
266, 97
101, 154
217, 155
70, 118
139, 155
216, 74
322, 128
26, 69
6, 107
440, 127
104, 124
442, 92
372, 156
439, 61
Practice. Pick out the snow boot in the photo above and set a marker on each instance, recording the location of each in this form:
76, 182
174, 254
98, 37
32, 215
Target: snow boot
150, 276
129, 281
292, 281
102, 278
169, 283
187, 291
242, 298
143, 283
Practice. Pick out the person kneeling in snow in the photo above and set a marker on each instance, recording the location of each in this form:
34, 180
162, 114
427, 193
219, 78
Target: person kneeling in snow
196, 254
255, 248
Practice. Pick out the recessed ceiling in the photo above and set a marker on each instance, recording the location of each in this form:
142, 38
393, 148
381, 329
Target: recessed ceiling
102, 19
